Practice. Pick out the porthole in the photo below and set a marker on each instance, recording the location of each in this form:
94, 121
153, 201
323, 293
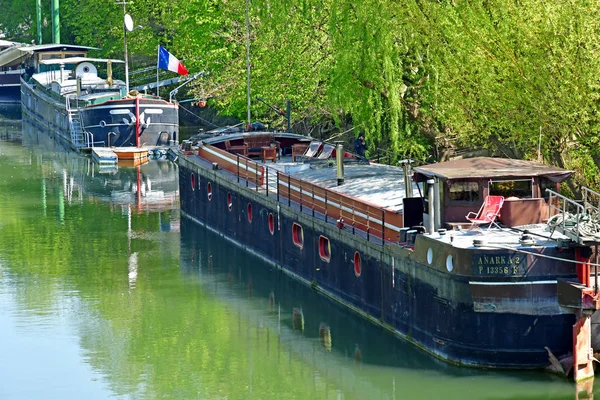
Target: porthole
324, 249
193, 181
298, 235
249, 212
357, 264
229, 202
449, 264
429, 255
271, 223
209, 191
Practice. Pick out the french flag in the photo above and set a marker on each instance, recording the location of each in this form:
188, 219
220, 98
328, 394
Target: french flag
169, 62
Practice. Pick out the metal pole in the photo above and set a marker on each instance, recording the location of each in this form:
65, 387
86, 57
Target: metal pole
248, 57
38, 9
325, 205
382, 227
125, 48
267, 179
278, 186
55, 22
300, 197
157, 62
288, 115
596, 271
289, 192
313, 199
238, 167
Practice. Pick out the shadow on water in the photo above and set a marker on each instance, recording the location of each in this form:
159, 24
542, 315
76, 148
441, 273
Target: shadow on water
363, 357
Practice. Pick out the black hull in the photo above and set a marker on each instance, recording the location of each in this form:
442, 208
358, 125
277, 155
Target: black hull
114, 123
428, 307
130, 122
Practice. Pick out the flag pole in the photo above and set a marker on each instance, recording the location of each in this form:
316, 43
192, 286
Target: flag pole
157, 62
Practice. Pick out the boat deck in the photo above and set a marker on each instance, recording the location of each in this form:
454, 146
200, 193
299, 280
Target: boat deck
503, 238
381, 185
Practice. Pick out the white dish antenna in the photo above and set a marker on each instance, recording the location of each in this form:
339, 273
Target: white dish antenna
128, 22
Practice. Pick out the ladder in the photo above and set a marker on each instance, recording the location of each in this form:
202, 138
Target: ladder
79, 137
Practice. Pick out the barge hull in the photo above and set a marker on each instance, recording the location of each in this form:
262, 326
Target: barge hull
393, 288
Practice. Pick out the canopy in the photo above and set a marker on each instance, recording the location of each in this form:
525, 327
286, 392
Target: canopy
492, 168
77, 60
15, 55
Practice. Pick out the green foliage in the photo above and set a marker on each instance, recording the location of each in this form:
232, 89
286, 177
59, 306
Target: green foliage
416, 76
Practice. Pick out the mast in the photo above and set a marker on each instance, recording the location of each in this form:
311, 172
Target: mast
38, 10
248, 59
55, 22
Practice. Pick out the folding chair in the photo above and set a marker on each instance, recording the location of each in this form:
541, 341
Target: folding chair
489, 211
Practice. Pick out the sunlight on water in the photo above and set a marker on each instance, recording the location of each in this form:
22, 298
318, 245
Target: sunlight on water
106, 293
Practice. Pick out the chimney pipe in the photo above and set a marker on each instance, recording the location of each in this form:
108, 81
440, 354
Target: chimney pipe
431, 222
339, 162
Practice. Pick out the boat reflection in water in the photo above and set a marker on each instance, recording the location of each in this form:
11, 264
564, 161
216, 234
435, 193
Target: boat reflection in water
355, 358
149, 187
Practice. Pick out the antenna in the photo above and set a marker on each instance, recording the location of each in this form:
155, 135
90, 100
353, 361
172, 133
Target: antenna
127, 26
248, 58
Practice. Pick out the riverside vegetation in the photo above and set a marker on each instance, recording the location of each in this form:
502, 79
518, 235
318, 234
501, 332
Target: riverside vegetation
418, 76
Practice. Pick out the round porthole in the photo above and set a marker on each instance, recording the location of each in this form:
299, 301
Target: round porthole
357, 264
229, 202
102, 124
209, 191
249, 213
193, 181
271, 223
449, 264
429, 255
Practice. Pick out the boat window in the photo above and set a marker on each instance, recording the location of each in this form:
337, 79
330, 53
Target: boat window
297, 235
517, 188
193, 181
209, 191
271, 223
249, 213
547, 184
229, 201
464, 191
357, 264
324, 249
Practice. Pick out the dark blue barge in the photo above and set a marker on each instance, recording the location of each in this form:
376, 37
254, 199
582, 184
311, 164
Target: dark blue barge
507, 294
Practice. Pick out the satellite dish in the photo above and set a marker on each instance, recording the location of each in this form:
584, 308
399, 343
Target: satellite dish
128, 22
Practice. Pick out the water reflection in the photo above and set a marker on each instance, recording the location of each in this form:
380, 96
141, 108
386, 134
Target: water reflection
153, 186
350, 356
101, 296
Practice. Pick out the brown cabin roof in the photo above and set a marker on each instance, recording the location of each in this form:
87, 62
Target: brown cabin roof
488, 167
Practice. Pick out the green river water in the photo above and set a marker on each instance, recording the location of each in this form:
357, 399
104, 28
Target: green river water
105, 293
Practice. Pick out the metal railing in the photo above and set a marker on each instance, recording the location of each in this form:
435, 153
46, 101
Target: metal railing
347, 213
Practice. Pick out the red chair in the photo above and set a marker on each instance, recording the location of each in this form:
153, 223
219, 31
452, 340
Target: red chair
489, 211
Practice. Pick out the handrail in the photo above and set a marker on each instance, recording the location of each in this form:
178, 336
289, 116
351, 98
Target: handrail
588, 206
349, 213
563, 211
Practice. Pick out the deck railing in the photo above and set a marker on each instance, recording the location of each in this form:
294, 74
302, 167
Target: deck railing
346, 212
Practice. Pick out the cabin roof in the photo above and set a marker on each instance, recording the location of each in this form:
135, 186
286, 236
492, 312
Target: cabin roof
489, 167
77, 60
54, 46
7, 43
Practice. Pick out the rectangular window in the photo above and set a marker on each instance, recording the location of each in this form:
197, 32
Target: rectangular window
547, 184
518, 188
464, 191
